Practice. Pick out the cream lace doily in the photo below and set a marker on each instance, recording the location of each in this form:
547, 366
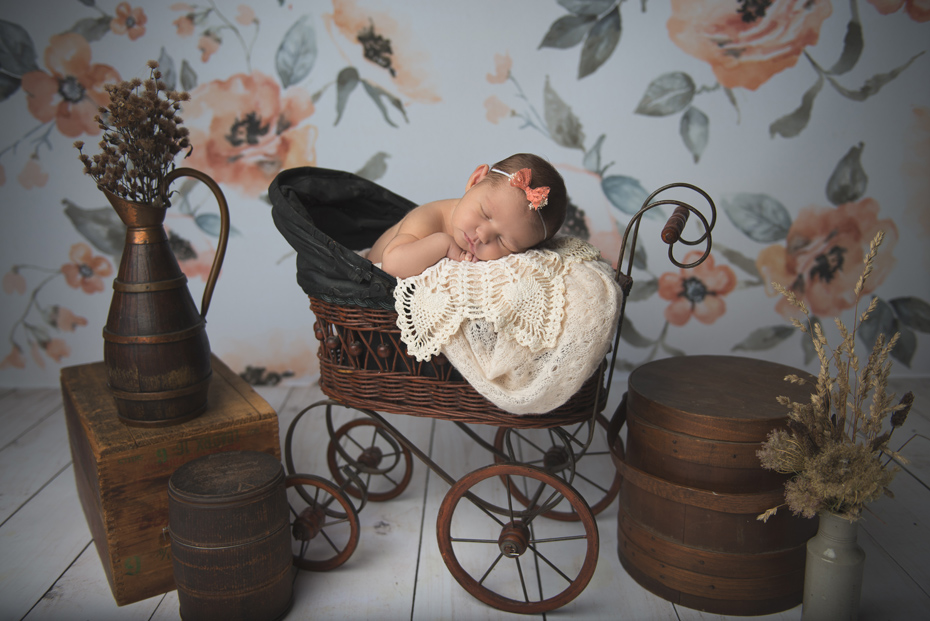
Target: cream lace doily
526, 331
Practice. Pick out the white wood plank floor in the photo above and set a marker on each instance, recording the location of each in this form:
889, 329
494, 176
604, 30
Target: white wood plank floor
50, 570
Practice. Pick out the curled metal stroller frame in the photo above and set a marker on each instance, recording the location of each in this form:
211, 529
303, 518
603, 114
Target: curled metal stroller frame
489, 528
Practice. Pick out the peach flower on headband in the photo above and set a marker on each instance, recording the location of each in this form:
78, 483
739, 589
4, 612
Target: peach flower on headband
538, 197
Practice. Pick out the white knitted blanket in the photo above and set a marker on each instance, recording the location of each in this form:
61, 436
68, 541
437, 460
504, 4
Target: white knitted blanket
525, 331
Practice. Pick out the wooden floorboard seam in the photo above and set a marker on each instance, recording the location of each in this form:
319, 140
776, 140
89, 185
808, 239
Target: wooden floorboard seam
36, 493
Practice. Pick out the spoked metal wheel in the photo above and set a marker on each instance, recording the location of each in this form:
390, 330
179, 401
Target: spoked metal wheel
324, 523
502, 554
347, 478
562, 452
363, 447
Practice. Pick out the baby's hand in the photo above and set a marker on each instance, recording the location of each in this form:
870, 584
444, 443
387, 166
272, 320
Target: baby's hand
457, 254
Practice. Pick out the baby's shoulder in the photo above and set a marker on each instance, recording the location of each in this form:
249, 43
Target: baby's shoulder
429, 215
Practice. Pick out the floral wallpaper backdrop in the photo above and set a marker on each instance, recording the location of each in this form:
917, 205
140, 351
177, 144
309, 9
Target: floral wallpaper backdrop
808, 122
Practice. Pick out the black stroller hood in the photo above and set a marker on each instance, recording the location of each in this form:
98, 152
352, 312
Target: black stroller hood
326, 215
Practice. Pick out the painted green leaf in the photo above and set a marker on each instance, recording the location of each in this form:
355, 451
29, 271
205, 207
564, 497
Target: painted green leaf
667, 94
912, 312
8, 85
643, 290
738, 259
624, 193
759, 216
377, 93
793, 123
732, 99
100, 226
883, 321
672, 351
188, 76
346, 82
631, 335
873, 84
17, 52
210, 224
567, 31
169, 74
807, 344
848, 181
639, 257
92, 28
592, 158
587, 7
564, 127
764, 338
600, 43
179, 195
852, 48
695, 131
297, 53
906, 346
375, 167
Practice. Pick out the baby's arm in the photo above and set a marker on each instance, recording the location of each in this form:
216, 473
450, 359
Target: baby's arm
407, 255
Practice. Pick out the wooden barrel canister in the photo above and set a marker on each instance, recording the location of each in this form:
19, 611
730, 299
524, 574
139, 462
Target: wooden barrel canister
230, 538
693, 487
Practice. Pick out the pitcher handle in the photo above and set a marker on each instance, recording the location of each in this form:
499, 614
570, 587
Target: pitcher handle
224, 227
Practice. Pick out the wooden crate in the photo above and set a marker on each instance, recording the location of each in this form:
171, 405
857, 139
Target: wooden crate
122, 472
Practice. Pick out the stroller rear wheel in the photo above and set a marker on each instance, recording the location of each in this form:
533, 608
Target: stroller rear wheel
562, 452
378, 459
501, 554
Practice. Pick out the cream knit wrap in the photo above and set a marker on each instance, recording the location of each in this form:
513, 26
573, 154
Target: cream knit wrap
525, 331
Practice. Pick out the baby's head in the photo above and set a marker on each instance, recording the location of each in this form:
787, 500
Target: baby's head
544, 174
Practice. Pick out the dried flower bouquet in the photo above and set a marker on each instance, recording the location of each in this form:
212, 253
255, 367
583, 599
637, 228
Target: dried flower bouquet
142, 134
834, 444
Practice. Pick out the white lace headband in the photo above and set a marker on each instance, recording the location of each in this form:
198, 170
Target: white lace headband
537, 197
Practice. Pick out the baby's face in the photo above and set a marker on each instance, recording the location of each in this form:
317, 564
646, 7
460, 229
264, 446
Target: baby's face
493, 221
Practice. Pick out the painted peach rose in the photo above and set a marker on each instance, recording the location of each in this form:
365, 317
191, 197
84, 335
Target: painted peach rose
495, 109
14, 359
184, 25
73, 91
85, 270
208, 44
32, 175
697, 292
245, 130
245, 15
386, 43
57, 349
128, 21
917, 10
64, 319
822, 257
746, 43
13, 282
502, 65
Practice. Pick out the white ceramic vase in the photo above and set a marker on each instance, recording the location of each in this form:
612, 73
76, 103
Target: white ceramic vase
833, 573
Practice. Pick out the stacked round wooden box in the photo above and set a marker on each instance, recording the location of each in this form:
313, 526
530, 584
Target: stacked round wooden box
693, 488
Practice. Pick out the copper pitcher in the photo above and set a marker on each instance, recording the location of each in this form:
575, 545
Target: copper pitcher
156, 351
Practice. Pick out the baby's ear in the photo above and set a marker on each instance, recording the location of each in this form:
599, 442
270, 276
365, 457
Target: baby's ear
480, 173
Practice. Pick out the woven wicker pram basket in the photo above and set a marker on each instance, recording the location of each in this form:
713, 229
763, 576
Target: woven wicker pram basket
327, 216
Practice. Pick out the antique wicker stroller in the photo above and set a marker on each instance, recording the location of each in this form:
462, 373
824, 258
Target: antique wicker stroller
488, 520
